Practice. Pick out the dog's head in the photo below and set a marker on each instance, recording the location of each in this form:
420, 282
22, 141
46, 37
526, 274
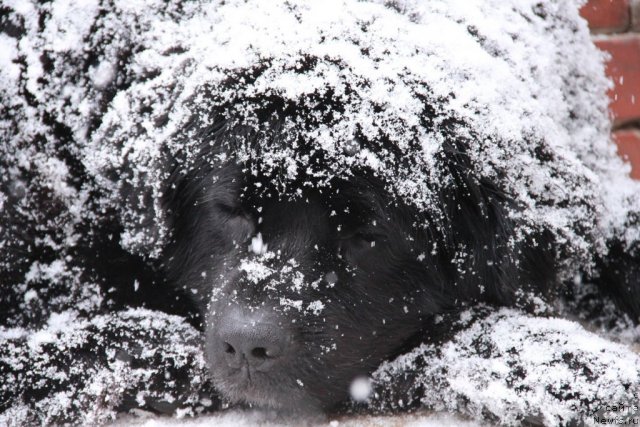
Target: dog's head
304, 288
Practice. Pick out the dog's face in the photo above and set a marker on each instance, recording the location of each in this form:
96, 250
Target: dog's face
300, 294
303, 288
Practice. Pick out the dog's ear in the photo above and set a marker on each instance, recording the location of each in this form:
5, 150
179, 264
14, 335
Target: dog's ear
494, 257
143, 217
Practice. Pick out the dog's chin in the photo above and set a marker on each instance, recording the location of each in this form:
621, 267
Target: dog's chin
262, 392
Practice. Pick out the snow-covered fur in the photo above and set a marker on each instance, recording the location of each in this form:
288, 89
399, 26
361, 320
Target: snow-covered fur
104, 105
79, 373
509, 368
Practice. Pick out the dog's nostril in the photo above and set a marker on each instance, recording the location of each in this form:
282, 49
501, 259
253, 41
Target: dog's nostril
228, 348
259, 353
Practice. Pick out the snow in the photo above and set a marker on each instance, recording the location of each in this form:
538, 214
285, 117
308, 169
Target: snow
386, 70
257, 246
87, 390
248, 418
107, 94
508, 366
360, 389
484, 86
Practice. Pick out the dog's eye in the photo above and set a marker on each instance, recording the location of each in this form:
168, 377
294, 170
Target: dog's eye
363, 237
231, 210
237, 223
358, 244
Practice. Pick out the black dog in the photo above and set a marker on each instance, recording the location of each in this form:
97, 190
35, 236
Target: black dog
302, 293
318, 197
309, 269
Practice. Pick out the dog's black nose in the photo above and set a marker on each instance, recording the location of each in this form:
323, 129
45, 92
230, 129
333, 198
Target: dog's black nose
253, 338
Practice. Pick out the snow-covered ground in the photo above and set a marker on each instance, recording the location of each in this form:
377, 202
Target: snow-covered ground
236, 418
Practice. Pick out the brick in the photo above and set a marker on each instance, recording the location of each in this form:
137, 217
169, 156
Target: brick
635, 15
607, 16
624, 69
628, 142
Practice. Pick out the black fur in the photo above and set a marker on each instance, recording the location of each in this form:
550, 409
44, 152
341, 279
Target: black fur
386, 295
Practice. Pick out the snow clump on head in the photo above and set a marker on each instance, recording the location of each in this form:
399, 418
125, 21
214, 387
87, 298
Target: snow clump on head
314, 92
387, 88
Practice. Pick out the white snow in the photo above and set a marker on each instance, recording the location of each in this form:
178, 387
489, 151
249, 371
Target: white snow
257, 245
498, 69
505, 78
360, 389
236, 418
507, 93
515, 366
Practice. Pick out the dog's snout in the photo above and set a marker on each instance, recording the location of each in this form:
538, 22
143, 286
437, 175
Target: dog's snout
252, 338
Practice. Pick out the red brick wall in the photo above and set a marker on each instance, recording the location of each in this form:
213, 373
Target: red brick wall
615, 25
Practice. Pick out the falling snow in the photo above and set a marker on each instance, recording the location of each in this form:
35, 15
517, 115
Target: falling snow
94, 99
